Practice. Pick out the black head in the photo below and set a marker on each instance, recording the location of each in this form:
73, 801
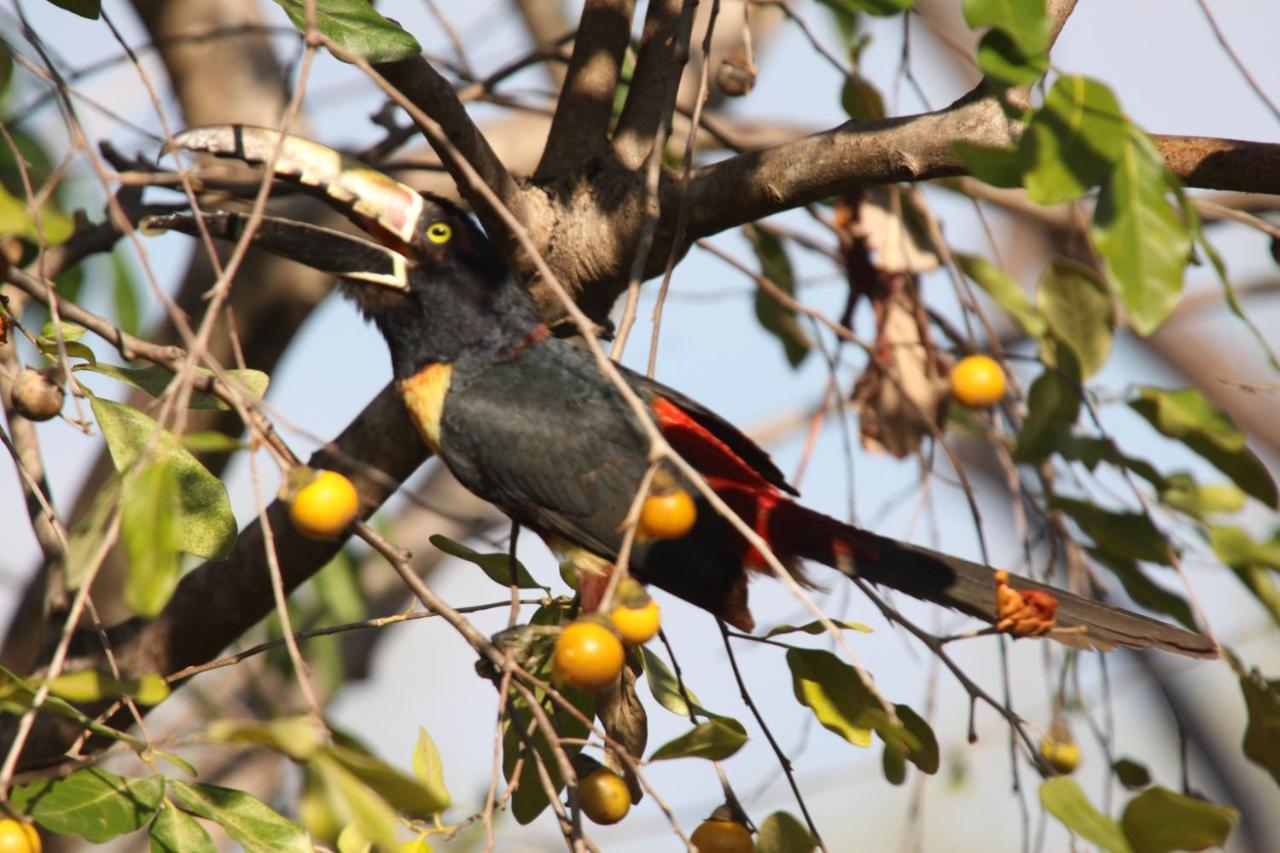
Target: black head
457, 297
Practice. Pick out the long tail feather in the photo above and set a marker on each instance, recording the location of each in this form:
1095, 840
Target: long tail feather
969, 587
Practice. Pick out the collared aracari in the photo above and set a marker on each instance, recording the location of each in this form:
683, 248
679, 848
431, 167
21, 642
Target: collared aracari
529, 422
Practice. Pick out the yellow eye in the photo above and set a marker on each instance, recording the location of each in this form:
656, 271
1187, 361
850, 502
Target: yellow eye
439, 232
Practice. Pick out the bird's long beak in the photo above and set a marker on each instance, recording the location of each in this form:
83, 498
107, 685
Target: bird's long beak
324, 249
382, 207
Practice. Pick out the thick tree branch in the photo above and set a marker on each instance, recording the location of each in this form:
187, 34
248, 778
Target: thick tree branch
664, 50
578, 130
916, 148
857, 153
1210, 163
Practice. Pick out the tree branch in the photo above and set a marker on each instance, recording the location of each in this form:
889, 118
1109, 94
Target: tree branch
578, 130
664, 50
1211, 163
857, 153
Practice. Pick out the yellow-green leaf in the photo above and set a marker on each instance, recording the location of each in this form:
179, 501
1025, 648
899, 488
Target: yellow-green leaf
258, 827
1185, 415
1063, 799
1077, 308
1160, 821
357, 28
1144, 246
175, 831
91, 803
207, 527
1007, 293
716, 739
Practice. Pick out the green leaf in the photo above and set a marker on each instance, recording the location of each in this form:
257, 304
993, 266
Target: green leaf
879, 8
1182, 492
1262, 735
861, 99
782, 832
1131, 774
356, 28
1072, 142
924, 752
207, 527
402, 791
840, 700
665, 688
210, 441
1254, 563
715, 740
1077, 308
149, 530
1144, 246
893, 763
70, 332
90, 9
6, 67
496, 566
1145, 591
816, 628
1024, 20
429, 769
91, 803
998, 167
1006, 64
1195, 225
1007, 293
91, 685
299, 737
16, 219
1119, 534
530, 799
1053, 404
1063, 799
245, 818
155, 380
175, 831
125, 294
1159, 820
776, 318
374, 816
1091, 450
1185, 415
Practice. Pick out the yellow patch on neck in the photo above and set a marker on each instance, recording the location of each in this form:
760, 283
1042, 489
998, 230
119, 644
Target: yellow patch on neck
423, 395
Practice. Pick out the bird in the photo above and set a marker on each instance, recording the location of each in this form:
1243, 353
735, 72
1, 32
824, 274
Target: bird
528, 421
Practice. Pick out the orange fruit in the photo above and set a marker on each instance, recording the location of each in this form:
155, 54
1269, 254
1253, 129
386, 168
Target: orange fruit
324, 507
978, 381
588, 655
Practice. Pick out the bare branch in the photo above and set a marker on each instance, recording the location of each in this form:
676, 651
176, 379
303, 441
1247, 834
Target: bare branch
578, 131
664, 50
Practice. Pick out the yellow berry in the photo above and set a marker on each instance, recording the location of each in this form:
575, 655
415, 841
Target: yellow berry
722, 836
588, 655
1062, 755
668, 515
977, 381
324, 507
636, 625
604, 796
18, 837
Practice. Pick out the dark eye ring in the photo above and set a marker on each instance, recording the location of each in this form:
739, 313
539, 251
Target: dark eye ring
439, 232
